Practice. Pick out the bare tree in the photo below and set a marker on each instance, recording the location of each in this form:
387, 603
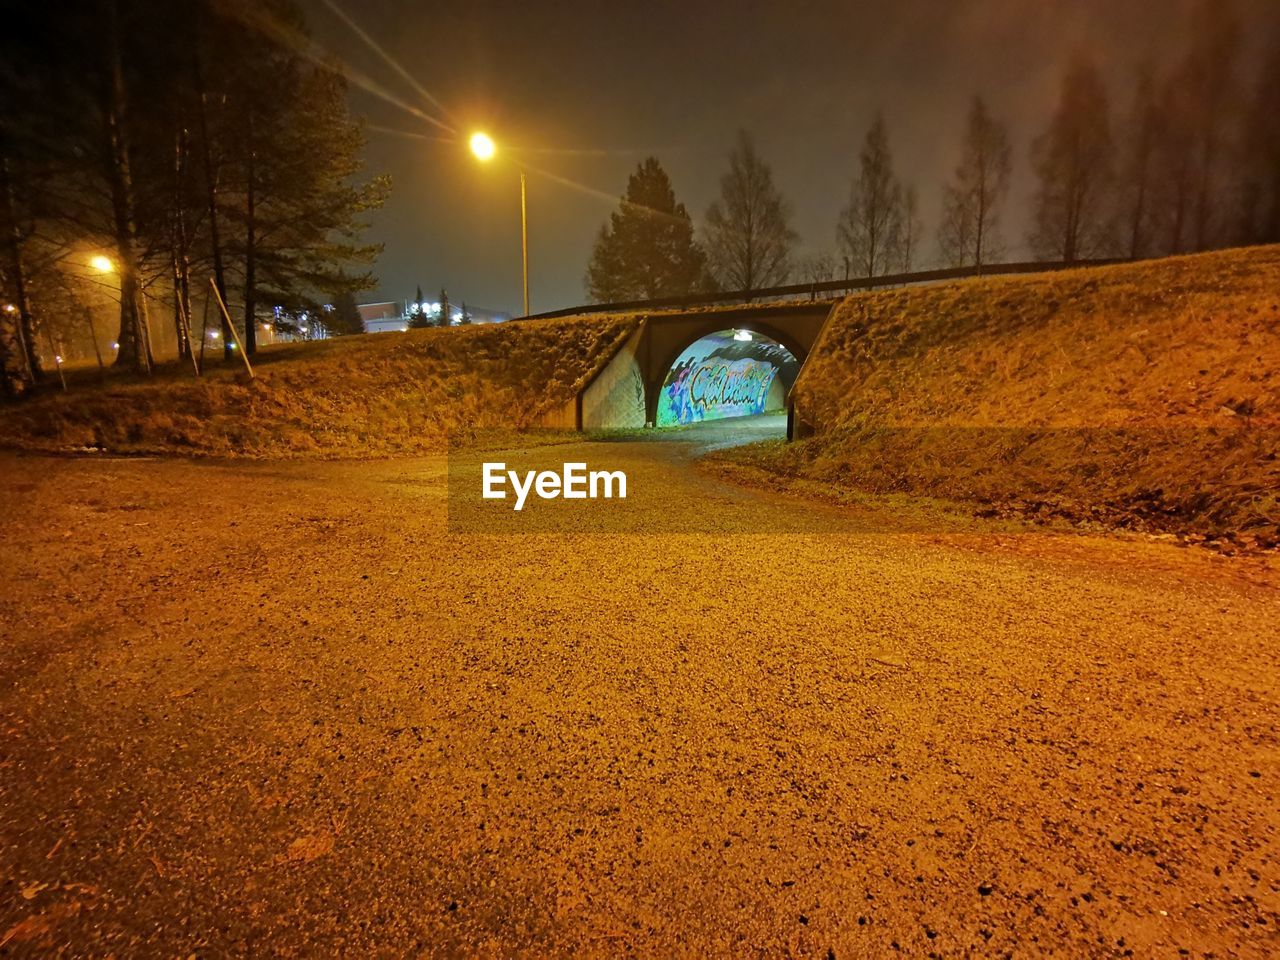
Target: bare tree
1174, 164
1137, 167
134, 337
909, 230
1073, 160
971, 203
868, 226
1194, 116
1215, 48
748, 236
817, 268
1260, 193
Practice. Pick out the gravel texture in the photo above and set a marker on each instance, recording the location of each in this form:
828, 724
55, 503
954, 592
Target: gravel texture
280, 709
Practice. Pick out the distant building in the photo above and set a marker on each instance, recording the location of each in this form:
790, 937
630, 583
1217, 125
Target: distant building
394, 315
381, 317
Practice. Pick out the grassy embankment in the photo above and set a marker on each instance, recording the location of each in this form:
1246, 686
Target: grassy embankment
1143, 395
373, 395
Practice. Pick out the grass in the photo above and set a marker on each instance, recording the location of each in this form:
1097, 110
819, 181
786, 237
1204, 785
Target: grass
1143, 395
372, 395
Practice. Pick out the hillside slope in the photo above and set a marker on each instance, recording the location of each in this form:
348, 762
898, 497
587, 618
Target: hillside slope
350, 397
1145, 394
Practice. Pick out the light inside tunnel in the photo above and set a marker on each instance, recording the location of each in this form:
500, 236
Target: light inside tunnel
724, 375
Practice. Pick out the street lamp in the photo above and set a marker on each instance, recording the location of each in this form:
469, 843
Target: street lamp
102, 264
483, 147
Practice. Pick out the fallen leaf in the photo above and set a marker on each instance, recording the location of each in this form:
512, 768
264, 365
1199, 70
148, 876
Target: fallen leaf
30, 890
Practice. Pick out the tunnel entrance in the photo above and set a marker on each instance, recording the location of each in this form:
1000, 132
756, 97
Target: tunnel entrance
728, 366
727, 375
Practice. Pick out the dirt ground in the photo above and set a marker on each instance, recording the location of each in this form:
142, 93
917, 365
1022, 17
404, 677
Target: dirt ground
284, 709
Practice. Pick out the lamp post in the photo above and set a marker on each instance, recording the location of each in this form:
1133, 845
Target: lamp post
483, 147
103, 265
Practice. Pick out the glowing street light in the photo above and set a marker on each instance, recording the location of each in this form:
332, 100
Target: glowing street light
742, 335
483, 147
102, 264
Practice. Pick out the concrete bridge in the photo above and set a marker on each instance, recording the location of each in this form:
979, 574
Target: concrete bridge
624, 393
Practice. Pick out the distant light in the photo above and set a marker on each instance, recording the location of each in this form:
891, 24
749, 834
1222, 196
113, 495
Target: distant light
115, 345
57, 357
214, 334
10, 308
266, 327
482, 146
102, 264
231, 346
743, 335
303, 329
404, 329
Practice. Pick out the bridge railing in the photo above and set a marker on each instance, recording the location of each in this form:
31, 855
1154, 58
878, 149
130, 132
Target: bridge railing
814, 290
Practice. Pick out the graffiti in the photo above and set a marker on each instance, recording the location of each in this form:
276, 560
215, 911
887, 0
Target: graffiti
705, 384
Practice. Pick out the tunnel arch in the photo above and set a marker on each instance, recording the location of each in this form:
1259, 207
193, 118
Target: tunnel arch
664, 361
623, 392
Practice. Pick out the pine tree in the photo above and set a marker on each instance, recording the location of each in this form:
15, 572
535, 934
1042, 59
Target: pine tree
418, 316
344, 319
297, 204
175, 169
647, 249
748, 237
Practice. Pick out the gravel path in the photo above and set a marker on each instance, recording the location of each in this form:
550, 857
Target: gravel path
282, 709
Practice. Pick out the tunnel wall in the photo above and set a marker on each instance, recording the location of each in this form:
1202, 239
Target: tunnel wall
623, 394
615, 398
777, 399
710, 382
561, 417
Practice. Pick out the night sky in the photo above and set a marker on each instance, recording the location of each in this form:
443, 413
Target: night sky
580, 92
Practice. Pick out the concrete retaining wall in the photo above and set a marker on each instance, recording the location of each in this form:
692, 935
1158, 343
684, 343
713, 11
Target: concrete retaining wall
615, 398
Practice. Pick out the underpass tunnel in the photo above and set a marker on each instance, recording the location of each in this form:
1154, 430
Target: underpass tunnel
738, 374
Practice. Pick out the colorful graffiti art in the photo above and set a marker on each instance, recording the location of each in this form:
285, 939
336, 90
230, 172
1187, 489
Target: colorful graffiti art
704, 384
